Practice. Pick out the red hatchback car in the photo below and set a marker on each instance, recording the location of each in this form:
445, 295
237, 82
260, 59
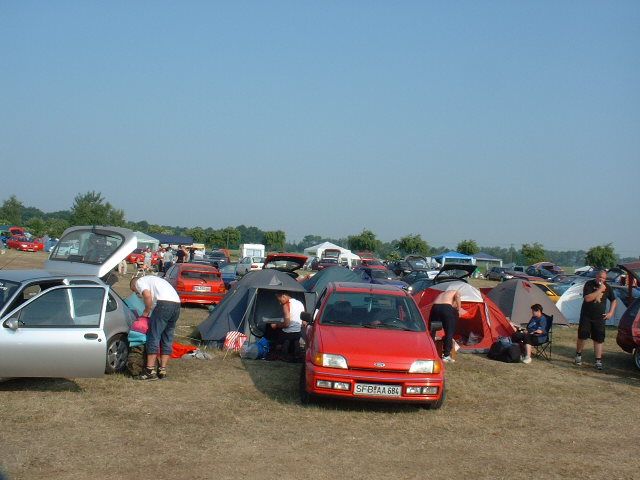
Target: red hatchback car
370, 342
196, 283
24, 244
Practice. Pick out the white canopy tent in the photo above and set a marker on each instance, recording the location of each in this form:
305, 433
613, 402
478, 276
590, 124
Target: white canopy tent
345, 254
145, 241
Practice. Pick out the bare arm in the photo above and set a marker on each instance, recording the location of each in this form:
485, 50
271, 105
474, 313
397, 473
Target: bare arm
595, 295
148, 302
612, 310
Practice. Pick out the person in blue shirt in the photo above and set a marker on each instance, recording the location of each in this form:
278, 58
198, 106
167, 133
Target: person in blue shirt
534, 334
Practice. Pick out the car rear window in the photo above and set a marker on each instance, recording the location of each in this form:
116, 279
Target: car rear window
367, 310
199, 275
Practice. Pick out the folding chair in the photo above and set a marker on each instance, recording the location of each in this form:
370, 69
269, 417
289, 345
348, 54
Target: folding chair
544, 349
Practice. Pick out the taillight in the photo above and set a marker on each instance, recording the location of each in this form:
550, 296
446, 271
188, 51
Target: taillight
179, 285
253, 265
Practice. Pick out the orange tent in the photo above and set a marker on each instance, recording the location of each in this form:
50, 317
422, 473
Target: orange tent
482, 322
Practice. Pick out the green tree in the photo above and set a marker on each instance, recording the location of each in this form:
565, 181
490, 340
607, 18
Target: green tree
468, 247
198, 234
365, 241
413, 244
36, 226
55, 226
533, 253
11, 210
91, 209
274, 240
601, 256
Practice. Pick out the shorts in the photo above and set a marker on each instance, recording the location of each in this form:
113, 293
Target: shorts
162, 325
590, 328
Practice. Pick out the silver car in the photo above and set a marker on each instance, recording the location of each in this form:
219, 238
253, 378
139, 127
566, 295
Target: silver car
64, 320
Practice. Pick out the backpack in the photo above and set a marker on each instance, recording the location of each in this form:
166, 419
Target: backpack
505, 351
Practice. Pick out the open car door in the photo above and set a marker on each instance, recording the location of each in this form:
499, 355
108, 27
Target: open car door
57, 334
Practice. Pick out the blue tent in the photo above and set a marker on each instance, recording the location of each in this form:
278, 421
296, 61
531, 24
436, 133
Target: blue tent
454, 257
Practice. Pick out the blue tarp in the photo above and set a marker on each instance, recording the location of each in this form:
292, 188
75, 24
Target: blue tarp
452, 256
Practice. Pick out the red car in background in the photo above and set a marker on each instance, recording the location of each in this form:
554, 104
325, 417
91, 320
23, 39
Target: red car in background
25, 244
196, 283
370, 342
137, 257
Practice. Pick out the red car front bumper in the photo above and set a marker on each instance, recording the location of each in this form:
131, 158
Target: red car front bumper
315, 374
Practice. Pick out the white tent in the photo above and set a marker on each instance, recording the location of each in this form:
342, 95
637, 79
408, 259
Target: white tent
570, 304
317, 250
145, 241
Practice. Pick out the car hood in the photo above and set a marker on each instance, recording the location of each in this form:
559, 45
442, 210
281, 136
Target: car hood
362, 347
73, 256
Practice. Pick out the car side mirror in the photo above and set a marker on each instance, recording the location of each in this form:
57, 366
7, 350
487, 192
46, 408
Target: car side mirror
12, 323
306, 317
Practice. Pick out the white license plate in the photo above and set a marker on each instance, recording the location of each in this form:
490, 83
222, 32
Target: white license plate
201, 288
376, 390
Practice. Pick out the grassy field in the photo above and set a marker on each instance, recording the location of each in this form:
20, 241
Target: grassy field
229, 419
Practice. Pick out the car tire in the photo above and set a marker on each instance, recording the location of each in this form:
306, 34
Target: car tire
636, 357
306, 398
117, 353
438, 403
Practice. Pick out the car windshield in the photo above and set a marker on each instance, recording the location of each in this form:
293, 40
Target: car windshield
230, 268
418, 263
353, 309
7, 289
379, 273
329, 260
87, 246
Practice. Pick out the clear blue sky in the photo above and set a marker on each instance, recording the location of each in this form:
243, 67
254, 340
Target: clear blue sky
505, 122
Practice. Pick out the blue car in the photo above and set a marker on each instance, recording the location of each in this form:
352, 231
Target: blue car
228, 274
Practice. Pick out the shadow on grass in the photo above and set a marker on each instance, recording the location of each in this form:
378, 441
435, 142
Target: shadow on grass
618, 365
280, 381
39, 385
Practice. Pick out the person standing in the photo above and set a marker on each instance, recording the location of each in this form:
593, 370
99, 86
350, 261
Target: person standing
167, 260
162, 306
593, 316
287, 334
180, 254
446, 309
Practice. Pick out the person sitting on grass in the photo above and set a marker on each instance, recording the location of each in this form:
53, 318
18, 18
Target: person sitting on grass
534, 334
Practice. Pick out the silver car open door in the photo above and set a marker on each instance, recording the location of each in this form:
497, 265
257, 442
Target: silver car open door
57, 334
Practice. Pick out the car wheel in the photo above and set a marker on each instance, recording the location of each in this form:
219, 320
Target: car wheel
306, 398
636, 357
438, 403
117, 353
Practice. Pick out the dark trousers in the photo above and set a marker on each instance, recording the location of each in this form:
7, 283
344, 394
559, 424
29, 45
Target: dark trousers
448, 316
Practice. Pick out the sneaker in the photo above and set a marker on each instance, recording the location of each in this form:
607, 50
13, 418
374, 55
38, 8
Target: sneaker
526, 360
162, 373
448, 359
578, 359
148, 374
599, 365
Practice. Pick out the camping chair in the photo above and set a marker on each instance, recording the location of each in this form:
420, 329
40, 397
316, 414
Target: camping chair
544, 349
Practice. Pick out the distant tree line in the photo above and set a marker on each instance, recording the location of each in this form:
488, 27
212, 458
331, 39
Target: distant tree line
91, 208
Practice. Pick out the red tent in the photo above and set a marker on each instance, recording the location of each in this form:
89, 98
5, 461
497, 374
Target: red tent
479, 326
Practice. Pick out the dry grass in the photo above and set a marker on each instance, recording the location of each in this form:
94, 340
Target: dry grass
241, 419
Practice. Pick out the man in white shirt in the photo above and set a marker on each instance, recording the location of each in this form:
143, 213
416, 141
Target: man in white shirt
289, 331
162, 306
